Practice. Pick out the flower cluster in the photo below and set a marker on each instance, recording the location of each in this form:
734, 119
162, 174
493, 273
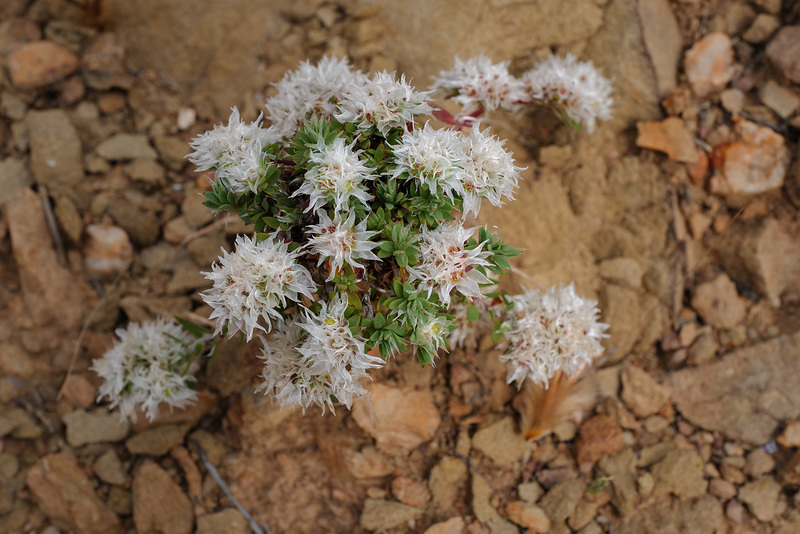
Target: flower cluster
151, 364
574, 89
554, 331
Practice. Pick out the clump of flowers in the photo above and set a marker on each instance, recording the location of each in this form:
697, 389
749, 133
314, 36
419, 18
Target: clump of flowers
574, 89
360, 247
549, 332
151, 364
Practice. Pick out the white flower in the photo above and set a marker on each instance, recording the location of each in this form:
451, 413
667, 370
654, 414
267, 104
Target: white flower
147, 367
446, 265
466, 332
574, 87
339, 242
489, 171
432, 157
311, 90
432, 333
334, 352
480, 84
555, 331
336, 175
383, 102
253, 282
234, 152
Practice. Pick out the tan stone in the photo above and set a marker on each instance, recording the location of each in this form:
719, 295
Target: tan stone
40, 63
709, 63
159, 504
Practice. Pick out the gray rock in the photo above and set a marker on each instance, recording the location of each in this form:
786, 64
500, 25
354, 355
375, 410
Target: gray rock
85, 427
56, 157
126, 146
761, 497
745, 394
680, 473
14, 178
501, 442
379, 514
157, 441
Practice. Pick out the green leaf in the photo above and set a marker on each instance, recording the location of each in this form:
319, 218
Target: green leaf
473, 313
195, 330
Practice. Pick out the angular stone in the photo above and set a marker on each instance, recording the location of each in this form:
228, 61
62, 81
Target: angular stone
641, 392
126, 146
228, 521
368, 463
709, 63
620, 468
759, 462
790, 437
680, 473
663, 40
85, 427
731, 395
528, 516
718, 302
40, 63
779, 99
103, 64
761, 497
559, 503
599, 437
762, 28
501, 442
402, 419
669, 136
784, 52
157, 441
379, 514
159, 504
755, 162
454, 525
484, 510
410, 492
107, 250
446, 482
14, 178
56, 156
65, 494
109, 468
671, 516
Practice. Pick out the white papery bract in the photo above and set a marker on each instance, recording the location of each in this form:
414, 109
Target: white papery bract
335, 353
383, 102
554, 331
446, 264
311, 90
434, 158
488, 171
337, 175
233, 151
577, 88
146, 368
253, 282
339, 242
479, 84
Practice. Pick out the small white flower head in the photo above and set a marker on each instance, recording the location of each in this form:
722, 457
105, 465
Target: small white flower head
446, 264
253, 282
480, 84
489, 171
311, 90
574, 87
434, 158
466, 332
334, 352
287, 373
145, 368
554, 331
336, 175
340, 242
383, 102
432, 333
234, 152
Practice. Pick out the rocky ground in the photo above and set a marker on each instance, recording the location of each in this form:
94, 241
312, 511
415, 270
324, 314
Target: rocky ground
680, 216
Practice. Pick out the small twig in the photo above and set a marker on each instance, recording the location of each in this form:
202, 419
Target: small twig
221, 483
204, 230
52, 225
528, 277
81, 335
37, 412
